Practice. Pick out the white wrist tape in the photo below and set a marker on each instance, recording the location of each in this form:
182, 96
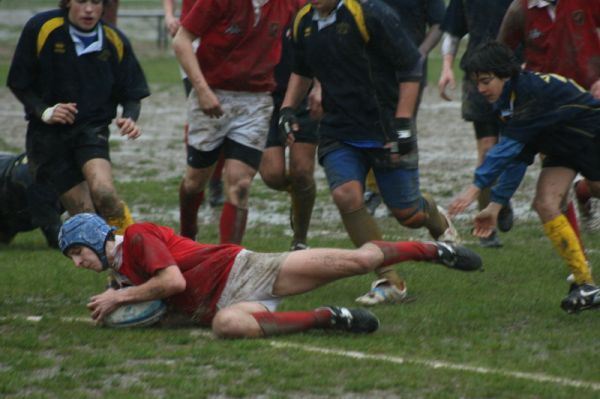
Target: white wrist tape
47, 114
449, 44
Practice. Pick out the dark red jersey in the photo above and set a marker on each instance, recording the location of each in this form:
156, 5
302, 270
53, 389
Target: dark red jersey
239, 45
148, 248
567, 45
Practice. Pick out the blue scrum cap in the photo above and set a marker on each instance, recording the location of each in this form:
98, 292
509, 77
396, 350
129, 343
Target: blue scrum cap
86, 229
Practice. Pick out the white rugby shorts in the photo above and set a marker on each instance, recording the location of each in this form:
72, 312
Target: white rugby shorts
251, 279
245, 120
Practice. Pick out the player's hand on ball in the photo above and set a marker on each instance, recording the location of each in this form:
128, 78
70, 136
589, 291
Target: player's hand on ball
103, 304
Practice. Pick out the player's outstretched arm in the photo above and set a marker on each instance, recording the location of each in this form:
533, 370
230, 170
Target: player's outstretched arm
463, 200
165, 283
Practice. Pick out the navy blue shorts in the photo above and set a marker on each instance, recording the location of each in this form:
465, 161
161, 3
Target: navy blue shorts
399, 187
57, 155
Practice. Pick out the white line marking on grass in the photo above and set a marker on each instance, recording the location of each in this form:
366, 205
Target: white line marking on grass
436, 364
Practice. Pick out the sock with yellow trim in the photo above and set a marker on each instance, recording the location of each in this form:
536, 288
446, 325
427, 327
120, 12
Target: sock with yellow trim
371, 182
121, 222
562, 236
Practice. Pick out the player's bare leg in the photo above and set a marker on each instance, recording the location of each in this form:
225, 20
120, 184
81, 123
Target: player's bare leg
253, 320
238, 179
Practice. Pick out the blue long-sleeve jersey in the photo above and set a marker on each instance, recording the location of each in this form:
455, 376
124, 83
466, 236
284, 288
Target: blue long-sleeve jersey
541, 113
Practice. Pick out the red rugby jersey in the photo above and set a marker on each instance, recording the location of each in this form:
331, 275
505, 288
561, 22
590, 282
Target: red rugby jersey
238, 48
568, 46
148, 248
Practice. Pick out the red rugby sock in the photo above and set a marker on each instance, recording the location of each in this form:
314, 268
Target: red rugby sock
401, 251
233, 224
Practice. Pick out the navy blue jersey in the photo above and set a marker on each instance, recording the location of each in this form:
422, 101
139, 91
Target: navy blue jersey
548, 111
46, 66
544, 113
417, 15
360, 54
480, 19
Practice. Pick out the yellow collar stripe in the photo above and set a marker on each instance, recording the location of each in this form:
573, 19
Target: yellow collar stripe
49, 26
114, 38
301, 13
359, 17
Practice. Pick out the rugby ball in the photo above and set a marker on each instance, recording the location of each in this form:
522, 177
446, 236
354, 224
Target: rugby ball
140, 314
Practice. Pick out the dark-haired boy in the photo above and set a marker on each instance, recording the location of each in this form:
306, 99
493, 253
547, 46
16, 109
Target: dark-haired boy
539, 113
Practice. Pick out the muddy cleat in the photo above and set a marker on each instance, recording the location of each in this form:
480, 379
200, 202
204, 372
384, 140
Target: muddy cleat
491, 242
589, 215
215, 194
451, 234
506, 218
298, 246
458, 257
383, 292
352, 320
581, 297
372, 201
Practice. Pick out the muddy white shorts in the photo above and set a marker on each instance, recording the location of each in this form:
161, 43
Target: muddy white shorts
245, 120
251, 279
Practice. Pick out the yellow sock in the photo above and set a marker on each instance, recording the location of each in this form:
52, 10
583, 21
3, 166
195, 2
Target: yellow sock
562, 236
372, 182
121, 223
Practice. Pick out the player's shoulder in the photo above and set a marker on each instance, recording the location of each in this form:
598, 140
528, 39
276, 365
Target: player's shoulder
146, 228
55, 17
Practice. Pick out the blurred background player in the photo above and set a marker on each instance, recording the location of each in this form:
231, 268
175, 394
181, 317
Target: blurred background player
540, 113
298, 180
111, 9
560, 37
229, 288
70, 71
421, 20
24, 204
230, 104
367, 122
480, 19
172, 23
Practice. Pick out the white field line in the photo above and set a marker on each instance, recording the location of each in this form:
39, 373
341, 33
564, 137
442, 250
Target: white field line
433, 364
436, 364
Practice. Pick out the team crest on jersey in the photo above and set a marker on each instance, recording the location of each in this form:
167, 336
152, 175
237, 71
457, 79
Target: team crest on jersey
578, 17
307, 31
233, 29
342, 28
104, 55
59, 47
